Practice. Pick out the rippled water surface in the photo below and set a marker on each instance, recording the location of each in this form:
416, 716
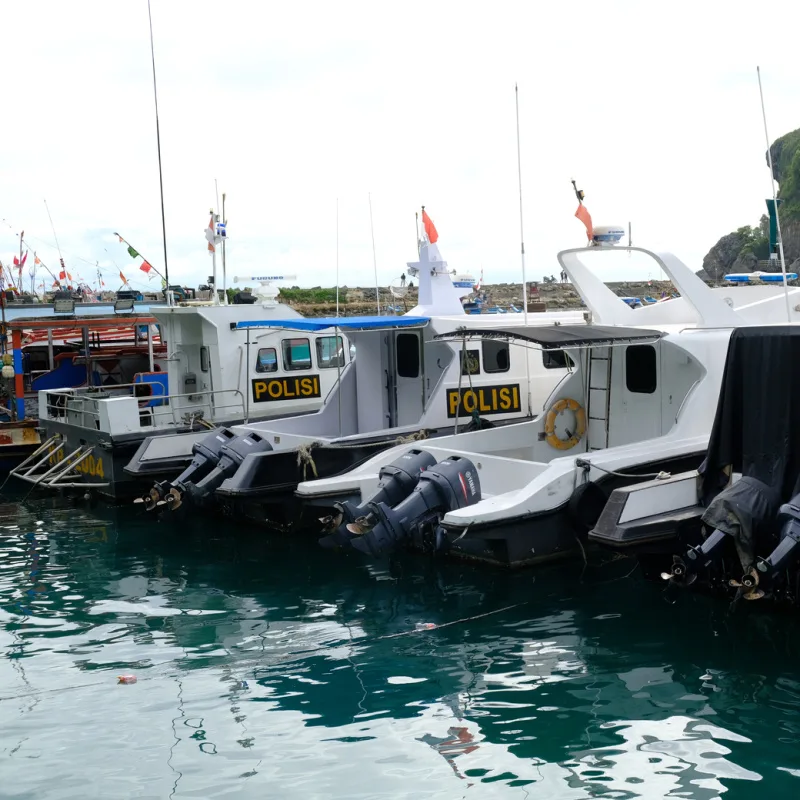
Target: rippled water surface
267, 667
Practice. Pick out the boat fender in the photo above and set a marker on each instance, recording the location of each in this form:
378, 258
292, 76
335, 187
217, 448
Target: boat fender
585, 506
565, 404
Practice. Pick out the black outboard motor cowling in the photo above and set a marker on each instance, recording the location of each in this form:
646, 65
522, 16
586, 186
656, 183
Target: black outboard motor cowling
449, 485
231, 456
396, 481
205, 456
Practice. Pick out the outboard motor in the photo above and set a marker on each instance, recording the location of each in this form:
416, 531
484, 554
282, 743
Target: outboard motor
232, 454
449, 485
396, 482
737, 515
768, 570
205, 456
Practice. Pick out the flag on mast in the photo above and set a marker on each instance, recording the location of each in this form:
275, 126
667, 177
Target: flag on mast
430, 228
210, 235
430, 237
582, 212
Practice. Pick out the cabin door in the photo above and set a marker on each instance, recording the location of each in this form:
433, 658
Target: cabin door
405, 384
635, 403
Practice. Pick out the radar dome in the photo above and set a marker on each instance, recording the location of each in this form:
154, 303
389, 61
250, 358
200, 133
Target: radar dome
607, 235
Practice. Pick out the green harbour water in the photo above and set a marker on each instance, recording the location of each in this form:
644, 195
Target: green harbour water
267, 667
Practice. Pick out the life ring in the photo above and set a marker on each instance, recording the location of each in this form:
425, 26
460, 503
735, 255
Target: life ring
566, 403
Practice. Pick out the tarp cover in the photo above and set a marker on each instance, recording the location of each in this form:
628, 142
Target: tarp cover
343, 323
550, 337
744, 510
757, 425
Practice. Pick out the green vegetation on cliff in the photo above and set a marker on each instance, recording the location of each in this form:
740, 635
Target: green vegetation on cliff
747, 248
786, 169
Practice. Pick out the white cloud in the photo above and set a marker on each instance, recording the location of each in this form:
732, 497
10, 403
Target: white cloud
653, 109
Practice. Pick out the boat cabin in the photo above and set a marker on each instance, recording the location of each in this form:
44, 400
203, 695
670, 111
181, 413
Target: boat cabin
407, 379
206, 374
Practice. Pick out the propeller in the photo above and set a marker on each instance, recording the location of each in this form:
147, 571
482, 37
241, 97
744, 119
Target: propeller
748, 588
680, 574
173, 499
331, 522
362, 525
150, 500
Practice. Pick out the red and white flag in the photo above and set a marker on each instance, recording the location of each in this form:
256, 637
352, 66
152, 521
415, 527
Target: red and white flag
210, 235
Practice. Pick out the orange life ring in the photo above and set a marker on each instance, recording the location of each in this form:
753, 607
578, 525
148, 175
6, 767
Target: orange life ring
565, 404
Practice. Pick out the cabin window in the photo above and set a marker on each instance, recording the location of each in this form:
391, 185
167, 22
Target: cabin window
407, 345
330, 352
204, 360
267, 360
556, 359
470, 363
296, 354
496, 357
640, 368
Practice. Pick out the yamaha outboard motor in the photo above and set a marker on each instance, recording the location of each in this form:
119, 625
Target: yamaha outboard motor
451, 484
737, 515
396, 482
205, 456
232, 454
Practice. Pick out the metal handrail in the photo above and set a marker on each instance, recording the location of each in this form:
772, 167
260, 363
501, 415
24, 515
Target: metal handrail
165, 409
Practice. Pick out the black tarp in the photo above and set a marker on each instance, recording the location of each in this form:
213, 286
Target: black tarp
757, 425
556, 337
745, 511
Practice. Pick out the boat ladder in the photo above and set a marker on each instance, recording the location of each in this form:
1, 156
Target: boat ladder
38, 468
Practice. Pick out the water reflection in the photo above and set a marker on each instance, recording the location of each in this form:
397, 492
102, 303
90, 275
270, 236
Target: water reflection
263, 662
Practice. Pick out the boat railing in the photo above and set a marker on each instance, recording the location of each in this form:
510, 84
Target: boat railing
83, 403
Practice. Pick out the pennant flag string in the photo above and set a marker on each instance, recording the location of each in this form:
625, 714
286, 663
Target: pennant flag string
145, 266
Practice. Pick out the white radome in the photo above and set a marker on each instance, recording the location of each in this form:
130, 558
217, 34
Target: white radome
607, 235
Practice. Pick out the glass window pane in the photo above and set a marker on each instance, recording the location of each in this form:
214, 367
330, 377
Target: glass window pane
330, 352
267, 360
556, 359
640, 368
496, 357
407, 355
296, 354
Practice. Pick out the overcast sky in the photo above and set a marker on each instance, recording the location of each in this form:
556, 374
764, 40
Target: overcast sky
652, 108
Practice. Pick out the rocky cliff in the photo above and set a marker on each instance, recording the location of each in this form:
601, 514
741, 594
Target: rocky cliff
747, 248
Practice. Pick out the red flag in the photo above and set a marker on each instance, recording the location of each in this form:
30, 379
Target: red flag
586, 218
145, 266
430, 228
62, 275
16, 261
24, 259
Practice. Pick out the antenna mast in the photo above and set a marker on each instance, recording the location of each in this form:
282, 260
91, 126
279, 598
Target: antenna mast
337, 256
521, 233
160, 174
374, 259
774, 199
